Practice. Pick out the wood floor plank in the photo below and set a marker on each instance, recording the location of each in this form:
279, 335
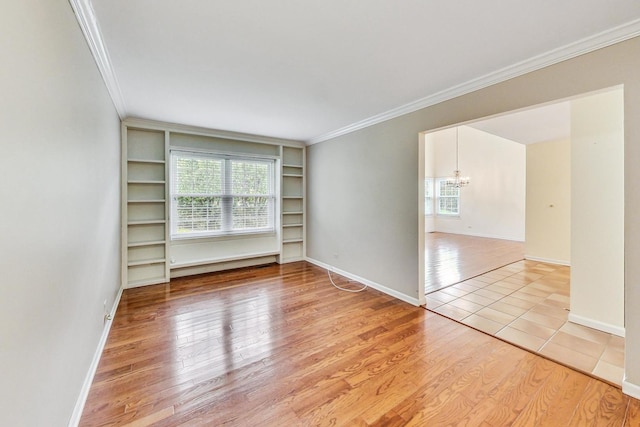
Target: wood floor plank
589, 410
390, 419
568, 394
279, 345
440, 376
632, 417
613, 407
452, 258
536, 409
388, 394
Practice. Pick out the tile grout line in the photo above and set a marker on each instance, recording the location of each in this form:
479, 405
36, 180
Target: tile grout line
536, 304
565, 364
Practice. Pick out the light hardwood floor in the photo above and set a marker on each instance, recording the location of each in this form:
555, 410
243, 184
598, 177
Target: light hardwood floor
452, 258
280, 346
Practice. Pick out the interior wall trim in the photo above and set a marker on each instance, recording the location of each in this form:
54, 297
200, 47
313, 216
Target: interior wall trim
89, 25
374, 285
580, 47
484, 235
135, 122
74, 421
547, 260
630, 389
595, 324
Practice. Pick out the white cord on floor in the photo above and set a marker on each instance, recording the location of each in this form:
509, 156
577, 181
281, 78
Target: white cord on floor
343, 289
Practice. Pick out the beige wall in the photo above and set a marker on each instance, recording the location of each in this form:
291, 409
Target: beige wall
597, 211
372, 175
60, 227
548, 217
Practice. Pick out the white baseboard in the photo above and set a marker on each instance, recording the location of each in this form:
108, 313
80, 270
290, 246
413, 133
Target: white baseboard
220, 260
86, 386
630, 389
547, 260
214, 266
487, 236
595, 324
374, 285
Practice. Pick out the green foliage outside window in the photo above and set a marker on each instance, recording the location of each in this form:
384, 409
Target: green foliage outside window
213, 195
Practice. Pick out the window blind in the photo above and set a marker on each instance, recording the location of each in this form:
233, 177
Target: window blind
217, 195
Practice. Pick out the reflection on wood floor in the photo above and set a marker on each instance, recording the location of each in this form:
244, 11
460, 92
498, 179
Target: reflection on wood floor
280, 346
452, 258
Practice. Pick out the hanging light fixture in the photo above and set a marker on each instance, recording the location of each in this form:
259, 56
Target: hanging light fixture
457, 180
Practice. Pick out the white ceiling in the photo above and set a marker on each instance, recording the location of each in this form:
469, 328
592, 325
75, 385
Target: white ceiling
302, 69
539, 124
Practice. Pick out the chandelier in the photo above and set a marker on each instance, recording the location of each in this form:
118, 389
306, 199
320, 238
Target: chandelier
457, 180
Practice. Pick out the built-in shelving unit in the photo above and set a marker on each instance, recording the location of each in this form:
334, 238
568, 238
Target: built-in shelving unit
145, 213
149, 256
293, 204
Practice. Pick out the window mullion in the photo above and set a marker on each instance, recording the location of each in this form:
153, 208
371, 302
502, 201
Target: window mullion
227, 198
202, 195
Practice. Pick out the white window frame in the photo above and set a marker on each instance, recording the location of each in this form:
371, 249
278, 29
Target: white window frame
428, 196
226, 196
440, 185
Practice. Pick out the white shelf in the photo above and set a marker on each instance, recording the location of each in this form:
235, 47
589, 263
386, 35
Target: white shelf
161, 162
144, 206
146, 262
140, 181
149, 243
147, 221
148, 201
291, 259
293, 203
145, 282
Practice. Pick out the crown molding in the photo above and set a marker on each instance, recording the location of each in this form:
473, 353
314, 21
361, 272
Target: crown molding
586, 45
142, 123
88, 23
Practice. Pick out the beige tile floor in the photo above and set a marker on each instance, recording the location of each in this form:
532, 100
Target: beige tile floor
527, 303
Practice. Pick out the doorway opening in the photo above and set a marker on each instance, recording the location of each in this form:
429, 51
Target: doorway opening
561, 158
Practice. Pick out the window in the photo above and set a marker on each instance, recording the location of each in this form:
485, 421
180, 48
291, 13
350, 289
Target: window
428, 196
448, 198
219, 195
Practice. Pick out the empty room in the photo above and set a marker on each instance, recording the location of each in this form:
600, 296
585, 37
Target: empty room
215, 213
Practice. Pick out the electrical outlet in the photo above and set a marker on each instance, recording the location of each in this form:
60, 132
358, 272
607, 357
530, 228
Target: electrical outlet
106, 314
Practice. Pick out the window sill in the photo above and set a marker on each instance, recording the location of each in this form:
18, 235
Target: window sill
221, 237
